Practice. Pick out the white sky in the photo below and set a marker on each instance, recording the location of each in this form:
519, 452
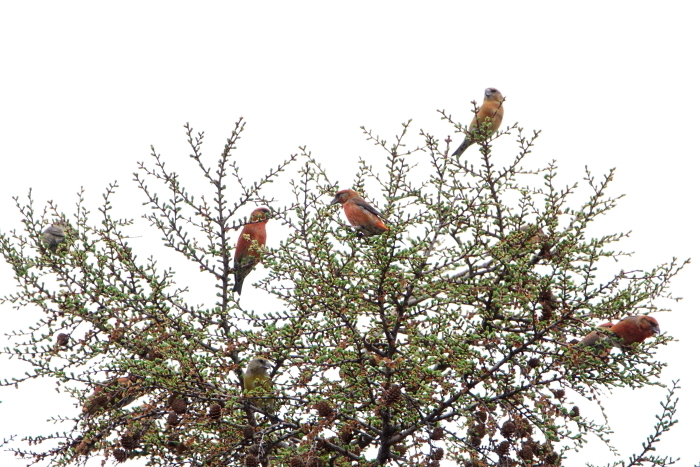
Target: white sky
86, 88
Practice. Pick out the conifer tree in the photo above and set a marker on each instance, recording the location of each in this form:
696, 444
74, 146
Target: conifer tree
448, 340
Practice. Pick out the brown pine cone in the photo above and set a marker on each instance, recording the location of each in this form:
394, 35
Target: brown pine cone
179, 405
62, 340
502, 448
324, 409
215, 411
393, 394
438, 433
508, 429
129, 442
120, 455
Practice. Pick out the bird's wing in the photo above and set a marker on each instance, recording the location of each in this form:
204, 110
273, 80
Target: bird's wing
368, 207
55, 231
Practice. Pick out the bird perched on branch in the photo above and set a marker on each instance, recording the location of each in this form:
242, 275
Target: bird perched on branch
116, 393
597, 339
249, 247
364, 217
524, 240
256, 380
628, 331
634, 329
487, 120
54, 235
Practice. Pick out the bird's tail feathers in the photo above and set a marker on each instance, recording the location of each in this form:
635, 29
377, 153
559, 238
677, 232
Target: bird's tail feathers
462, 147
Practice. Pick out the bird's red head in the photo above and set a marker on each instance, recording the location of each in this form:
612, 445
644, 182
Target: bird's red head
343, 195
651, 324
260, 214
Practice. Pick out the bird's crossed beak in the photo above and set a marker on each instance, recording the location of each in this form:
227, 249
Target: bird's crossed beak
655, 329
334, 201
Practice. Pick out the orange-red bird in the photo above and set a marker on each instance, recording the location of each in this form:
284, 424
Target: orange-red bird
488, 119
634, 329
364, 217
630, 330
250, 244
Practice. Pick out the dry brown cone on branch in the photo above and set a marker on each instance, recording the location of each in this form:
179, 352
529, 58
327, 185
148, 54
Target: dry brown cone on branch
478, 430
558, 393
438, 433
526, 453
215, 411
525, 428
508, 429
475, 441
548, 302
129, 442
62, 340
173, 419
179, 405
153, 354
324, 409
438, 454
120, 455
502, 448
251, 460
393, 394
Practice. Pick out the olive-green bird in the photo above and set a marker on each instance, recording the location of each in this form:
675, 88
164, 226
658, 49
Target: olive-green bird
256, 380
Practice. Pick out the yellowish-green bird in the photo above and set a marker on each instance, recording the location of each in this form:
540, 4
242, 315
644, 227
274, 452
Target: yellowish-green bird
256, 380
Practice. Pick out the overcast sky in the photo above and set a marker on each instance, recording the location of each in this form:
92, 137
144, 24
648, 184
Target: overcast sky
86, 88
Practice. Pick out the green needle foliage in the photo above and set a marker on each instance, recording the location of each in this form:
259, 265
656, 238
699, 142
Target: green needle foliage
445, 341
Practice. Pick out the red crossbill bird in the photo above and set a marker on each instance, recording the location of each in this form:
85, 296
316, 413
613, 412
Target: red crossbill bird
634, 329
116, 393
364, 217
249, 247
55, 235
630, 330
256, 379
487, 120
